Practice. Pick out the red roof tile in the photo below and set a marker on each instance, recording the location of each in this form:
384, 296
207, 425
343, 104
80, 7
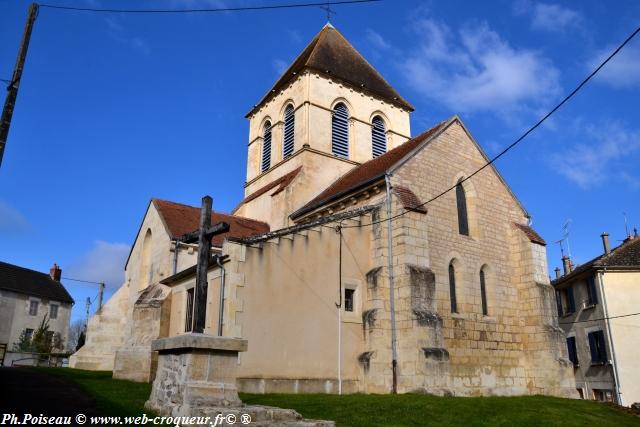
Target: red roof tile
182, 219
531, 234
409, 199
366, 173
283, 182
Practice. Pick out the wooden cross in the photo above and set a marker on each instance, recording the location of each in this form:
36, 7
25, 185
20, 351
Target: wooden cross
203, 236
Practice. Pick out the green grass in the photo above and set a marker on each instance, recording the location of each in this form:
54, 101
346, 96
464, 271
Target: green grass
126, 398
113, 397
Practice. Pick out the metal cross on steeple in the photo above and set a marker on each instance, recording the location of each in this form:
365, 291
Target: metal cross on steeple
327, 8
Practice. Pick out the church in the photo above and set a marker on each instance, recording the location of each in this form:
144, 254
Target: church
335, 269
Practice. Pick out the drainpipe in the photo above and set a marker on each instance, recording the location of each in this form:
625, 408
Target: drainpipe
175, 256
394, 351
221, 307
616, 377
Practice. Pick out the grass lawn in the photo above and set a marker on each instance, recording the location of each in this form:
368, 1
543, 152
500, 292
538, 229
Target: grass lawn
117, 397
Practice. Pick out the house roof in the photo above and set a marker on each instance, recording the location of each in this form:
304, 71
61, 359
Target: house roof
626, 255
331, 54
366, 173
282, 183
409, 199
30, 282
181, 219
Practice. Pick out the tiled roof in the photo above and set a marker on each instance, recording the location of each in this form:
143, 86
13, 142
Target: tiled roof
282, 183
409, 199
531, 234
366, 173
625, 255
182, 219
331, 54
29, 282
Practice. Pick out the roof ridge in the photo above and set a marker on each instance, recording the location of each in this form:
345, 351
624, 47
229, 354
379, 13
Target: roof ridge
28, 269
213, 211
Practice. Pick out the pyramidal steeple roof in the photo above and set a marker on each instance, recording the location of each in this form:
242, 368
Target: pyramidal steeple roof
331, 54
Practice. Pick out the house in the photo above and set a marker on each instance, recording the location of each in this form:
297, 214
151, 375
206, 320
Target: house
596, 304
335, 271
28, 296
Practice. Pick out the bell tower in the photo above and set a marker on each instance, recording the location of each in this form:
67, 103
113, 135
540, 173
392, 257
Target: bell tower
329, 111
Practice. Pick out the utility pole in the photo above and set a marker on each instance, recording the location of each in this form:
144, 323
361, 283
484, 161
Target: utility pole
100, 293
86, 322
10, 101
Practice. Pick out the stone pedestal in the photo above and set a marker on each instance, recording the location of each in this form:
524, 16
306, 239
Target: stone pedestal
195, 372
196, 378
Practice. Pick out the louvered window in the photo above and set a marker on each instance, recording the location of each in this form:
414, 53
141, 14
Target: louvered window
452, 288
461, 200
378, 137
266, 148
289, 127
340, 131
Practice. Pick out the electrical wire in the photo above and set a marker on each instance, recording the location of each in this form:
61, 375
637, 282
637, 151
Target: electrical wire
601, 318
83, 281
517, 141
208, 10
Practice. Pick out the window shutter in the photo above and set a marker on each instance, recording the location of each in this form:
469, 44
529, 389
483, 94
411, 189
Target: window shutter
289, 127
378, 137
461, 200
266, 148
602, 349
559, 303
571, 346
593, 293
571, 300
593, 347
452, 289
340, 131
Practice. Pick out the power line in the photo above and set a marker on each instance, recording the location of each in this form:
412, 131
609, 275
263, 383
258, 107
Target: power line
517, 141
208, 10
83, 281
602, 318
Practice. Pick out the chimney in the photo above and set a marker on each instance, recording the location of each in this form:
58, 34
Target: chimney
605, 243
566, 263
55, 272
557, 270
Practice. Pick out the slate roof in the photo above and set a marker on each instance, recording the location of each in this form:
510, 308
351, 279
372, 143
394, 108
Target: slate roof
182, 219
626, 255
366, 173
30, 282
331, 54
282, 183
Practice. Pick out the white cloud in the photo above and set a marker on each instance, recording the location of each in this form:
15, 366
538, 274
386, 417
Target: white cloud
279, 66
602, 156
474, 69
104, 262
377, 40
548, 16
12, 222
623, 69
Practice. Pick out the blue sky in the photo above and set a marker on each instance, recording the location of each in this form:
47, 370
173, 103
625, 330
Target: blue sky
116, 109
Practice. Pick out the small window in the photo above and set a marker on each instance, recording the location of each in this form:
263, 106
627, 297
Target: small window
591, 291
452, 288
580, 393
33, 308
188, 321
289, 132
28, 333
573, 353
266, 148
378, 137
483, 292
53, 311
349, 295
597, 347
461, 201
602, 395
565, 301
340, 131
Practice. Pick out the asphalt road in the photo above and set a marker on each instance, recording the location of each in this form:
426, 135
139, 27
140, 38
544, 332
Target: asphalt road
26, 391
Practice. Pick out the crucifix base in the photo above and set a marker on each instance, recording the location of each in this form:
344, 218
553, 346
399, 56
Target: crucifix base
195, 372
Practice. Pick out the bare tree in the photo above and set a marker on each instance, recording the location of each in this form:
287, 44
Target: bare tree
76, 329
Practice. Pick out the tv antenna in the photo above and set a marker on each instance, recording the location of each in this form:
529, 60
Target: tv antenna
327, 8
